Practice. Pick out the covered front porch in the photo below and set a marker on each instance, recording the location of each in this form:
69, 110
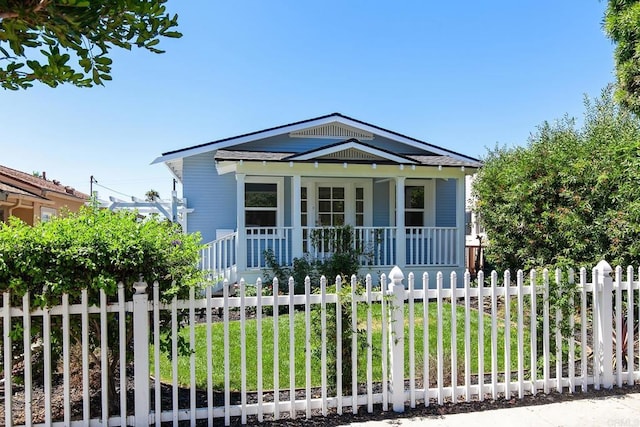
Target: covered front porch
416, 222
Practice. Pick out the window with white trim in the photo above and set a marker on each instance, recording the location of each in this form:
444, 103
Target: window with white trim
414, 206
261, 204
303, 206
47, 213
359, 206
331, 206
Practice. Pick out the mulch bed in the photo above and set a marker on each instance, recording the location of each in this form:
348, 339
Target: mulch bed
333, 419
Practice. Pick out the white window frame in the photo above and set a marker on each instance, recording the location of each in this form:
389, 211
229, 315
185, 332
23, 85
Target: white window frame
429, 200
46, 213
349, 185
279, 181
421, 210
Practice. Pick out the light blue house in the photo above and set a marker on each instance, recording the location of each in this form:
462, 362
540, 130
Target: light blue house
287, 188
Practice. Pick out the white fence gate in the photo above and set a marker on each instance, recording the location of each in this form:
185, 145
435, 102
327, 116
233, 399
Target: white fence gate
481, 340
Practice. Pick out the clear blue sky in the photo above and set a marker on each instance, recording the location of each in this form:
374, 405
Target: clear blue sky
461, 75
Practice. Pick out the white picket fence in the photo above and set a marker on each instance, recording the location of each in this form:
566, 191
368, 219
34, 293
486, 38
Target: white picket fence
495, 341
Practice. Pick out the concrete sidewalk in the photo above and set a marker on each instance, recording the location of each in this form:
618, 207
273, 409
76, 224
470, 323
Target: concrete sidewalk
614, 411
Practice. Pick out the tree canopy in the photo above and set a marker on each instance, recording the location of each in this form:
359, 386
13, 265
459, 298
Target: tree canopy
151, 195
69, 41
622, 25
567, 198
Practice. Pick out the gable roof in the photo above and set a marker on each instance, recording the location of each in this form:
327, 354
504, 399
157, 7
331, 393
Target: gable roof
352, 148
32, 184
305, 124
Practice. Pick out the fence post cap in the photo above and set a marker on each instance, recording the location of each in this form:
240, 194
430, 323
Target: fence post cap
396, 275
140, 287
604, 267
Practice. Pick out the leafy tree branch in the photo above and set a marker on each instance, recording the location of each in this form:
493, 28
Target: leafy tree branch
69, 41
622, 25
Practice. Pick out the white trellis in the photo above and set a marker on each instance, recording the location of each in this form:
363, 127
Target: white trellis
174, 209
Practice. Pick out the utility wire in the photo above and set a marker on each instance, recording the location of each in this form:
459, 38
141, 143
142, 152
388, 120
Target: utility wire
111, 189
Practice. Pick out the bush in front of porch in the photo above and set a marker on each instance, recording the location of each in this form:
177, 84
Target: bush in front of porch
342, 259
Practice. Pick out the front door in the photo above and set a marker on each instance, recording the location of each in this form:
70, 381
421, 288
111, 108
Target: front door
327, 205
331, 206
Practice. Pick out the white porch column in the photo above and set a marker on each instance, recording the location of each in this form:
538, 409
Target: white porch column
241, 239
296, 220
401, 232
460, 220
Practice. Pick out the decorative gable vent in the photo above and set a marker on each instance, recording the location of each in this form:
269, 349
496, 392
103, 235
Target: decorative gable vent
332, 130
351, 154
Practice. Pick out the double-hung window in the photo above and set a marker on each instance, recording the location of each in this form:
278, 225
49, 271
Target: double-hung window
263, 203
414, 206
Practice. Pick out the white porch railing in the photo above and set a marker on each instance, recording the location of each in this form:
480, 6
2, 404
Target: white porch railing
275, 239
219, 258
432, 246
375, 244
424, 246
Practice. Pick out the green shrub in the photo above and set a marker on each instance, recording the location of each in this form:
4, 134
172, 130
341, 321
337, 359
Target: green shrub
344, 260
94, 249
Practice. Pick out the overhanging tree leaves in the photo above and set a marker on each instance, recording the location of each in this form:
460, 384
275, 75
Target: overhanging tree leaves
69, 41
570, 197
622, 25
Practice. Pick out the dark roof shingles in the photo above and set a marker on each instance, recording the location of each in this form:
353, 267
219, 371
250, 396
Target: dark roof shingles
445, 161
314, 119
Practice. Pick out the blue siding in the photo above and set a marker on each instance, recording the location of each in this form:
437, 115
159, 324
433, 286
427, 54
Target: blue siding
381, 204
446, 202
212, 196
285, 144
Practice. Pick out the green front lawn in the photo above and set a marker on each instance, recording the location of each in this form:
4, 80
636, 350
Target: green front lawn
283, 348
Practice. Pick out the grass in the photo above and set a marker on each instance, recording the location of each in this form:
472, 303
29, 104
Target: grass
299, 348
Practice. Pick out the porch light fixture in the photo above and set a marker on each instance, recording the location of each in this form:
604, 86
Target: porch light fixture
373, 165
401, 167
462, 168
344, 165
290, 164
315, 164
439, 167
413, 167
264, 163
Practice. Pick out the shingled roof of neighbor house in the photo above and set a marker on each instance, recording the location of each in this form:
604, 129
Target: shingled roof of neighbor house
40, 183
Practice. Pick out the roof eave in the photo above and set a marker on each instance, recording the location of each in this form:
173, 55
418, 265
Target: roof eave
318, 121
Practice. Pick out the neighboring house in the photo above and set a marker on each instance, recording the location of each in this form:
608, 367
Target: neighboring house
286, 188
34, 198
